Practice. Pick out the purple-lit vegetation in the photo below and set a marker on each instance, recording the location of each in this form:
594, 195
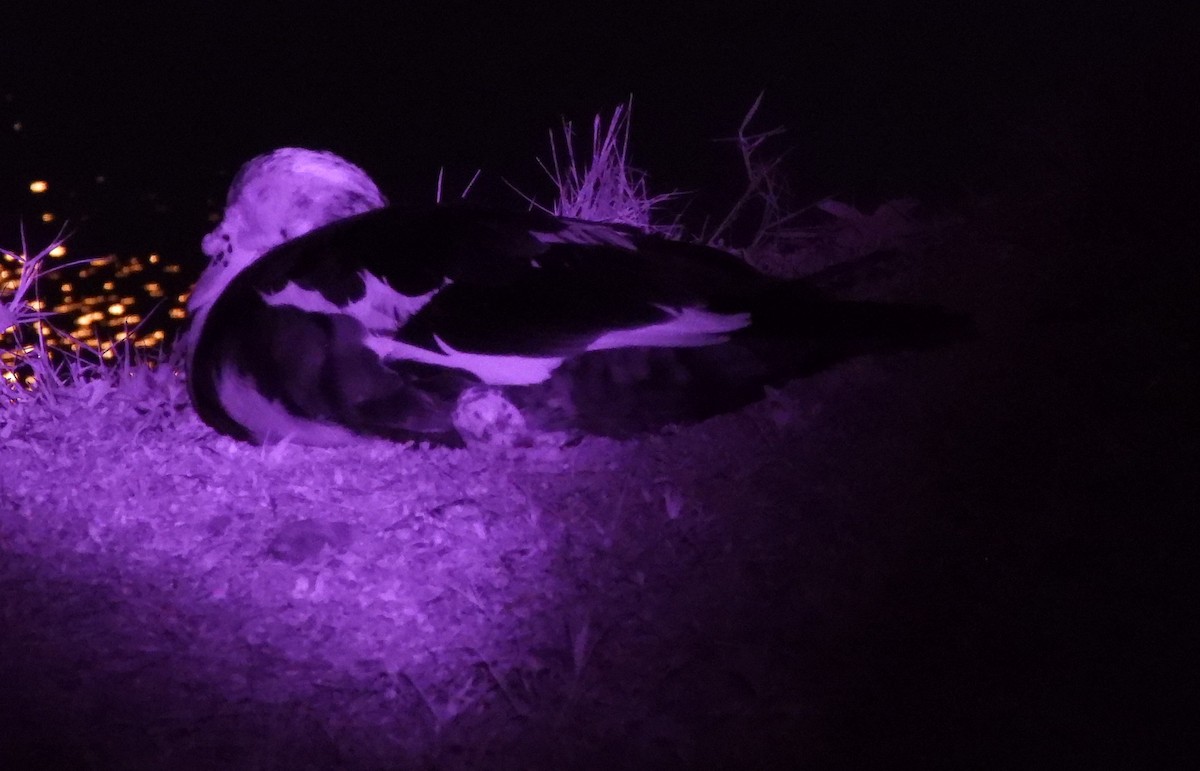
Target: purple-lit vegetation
383, 605
23, 322
604, 187
39, 359
45, 366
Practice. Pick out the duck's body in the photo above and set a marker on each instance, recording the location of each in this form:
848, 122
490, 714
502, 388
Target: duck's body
379, 323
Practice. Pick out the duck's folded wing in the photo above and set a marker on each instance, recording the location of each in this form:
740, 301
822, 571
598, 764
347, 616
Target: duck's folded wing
518, 295
506, 297
518, 333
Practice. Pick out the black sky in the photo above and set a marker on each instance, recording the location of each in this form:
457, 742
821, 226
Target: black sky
166, 100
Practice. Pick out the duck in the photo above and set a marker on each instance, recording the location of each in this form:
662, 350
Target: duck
326, 315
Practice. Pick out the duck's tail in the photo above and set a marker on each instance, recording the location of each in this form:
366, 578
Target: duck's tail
626, 391
823, 331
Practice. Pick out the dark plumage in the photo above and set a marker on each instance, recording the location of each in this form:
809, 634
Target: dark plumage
378, 324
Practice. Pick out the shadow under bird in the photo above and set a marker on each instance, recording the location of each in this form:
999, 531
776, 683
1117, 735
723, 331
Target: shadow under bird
326, 315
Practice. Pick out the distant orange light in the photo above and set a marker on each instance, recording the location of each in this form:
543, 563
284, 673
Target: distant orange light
38, 186
116, 309
48, 217
58, 251
88, 319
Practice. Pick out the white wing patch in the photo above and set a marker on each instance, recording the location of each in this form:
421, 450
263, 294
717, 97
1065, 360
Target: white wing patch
586, 234
687, 328
380, 309
493, 369
269, 420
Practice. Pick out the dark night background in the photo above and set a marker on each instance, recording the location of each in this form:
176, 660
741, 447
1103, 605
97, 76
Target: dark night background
1090, 105
165, 101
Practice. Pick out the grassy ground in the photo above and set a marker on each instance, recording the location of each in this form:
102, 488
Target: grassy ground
944, 559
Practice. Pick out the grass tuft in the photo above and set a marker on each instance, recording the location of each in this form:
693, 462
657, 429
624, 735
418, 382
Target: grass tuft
604, 187
35, 370
25, 363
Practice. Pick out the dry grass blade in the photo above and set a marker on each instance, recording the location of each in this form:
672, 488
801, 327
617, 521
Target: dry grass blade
437, 196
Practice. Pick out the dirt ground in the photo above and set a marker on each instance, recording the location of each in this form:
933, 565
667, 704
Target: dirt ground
954, 558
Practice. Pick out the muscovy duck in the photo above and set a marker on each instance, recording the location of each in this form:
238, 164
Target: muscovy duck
326, 315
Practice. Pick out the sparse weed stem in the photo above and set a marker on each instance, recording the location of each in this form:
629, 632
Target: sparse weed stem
765, 224
765, 207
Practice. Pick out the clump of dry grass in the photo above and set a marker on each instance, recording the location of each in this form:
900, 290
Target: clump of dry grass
604, 187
